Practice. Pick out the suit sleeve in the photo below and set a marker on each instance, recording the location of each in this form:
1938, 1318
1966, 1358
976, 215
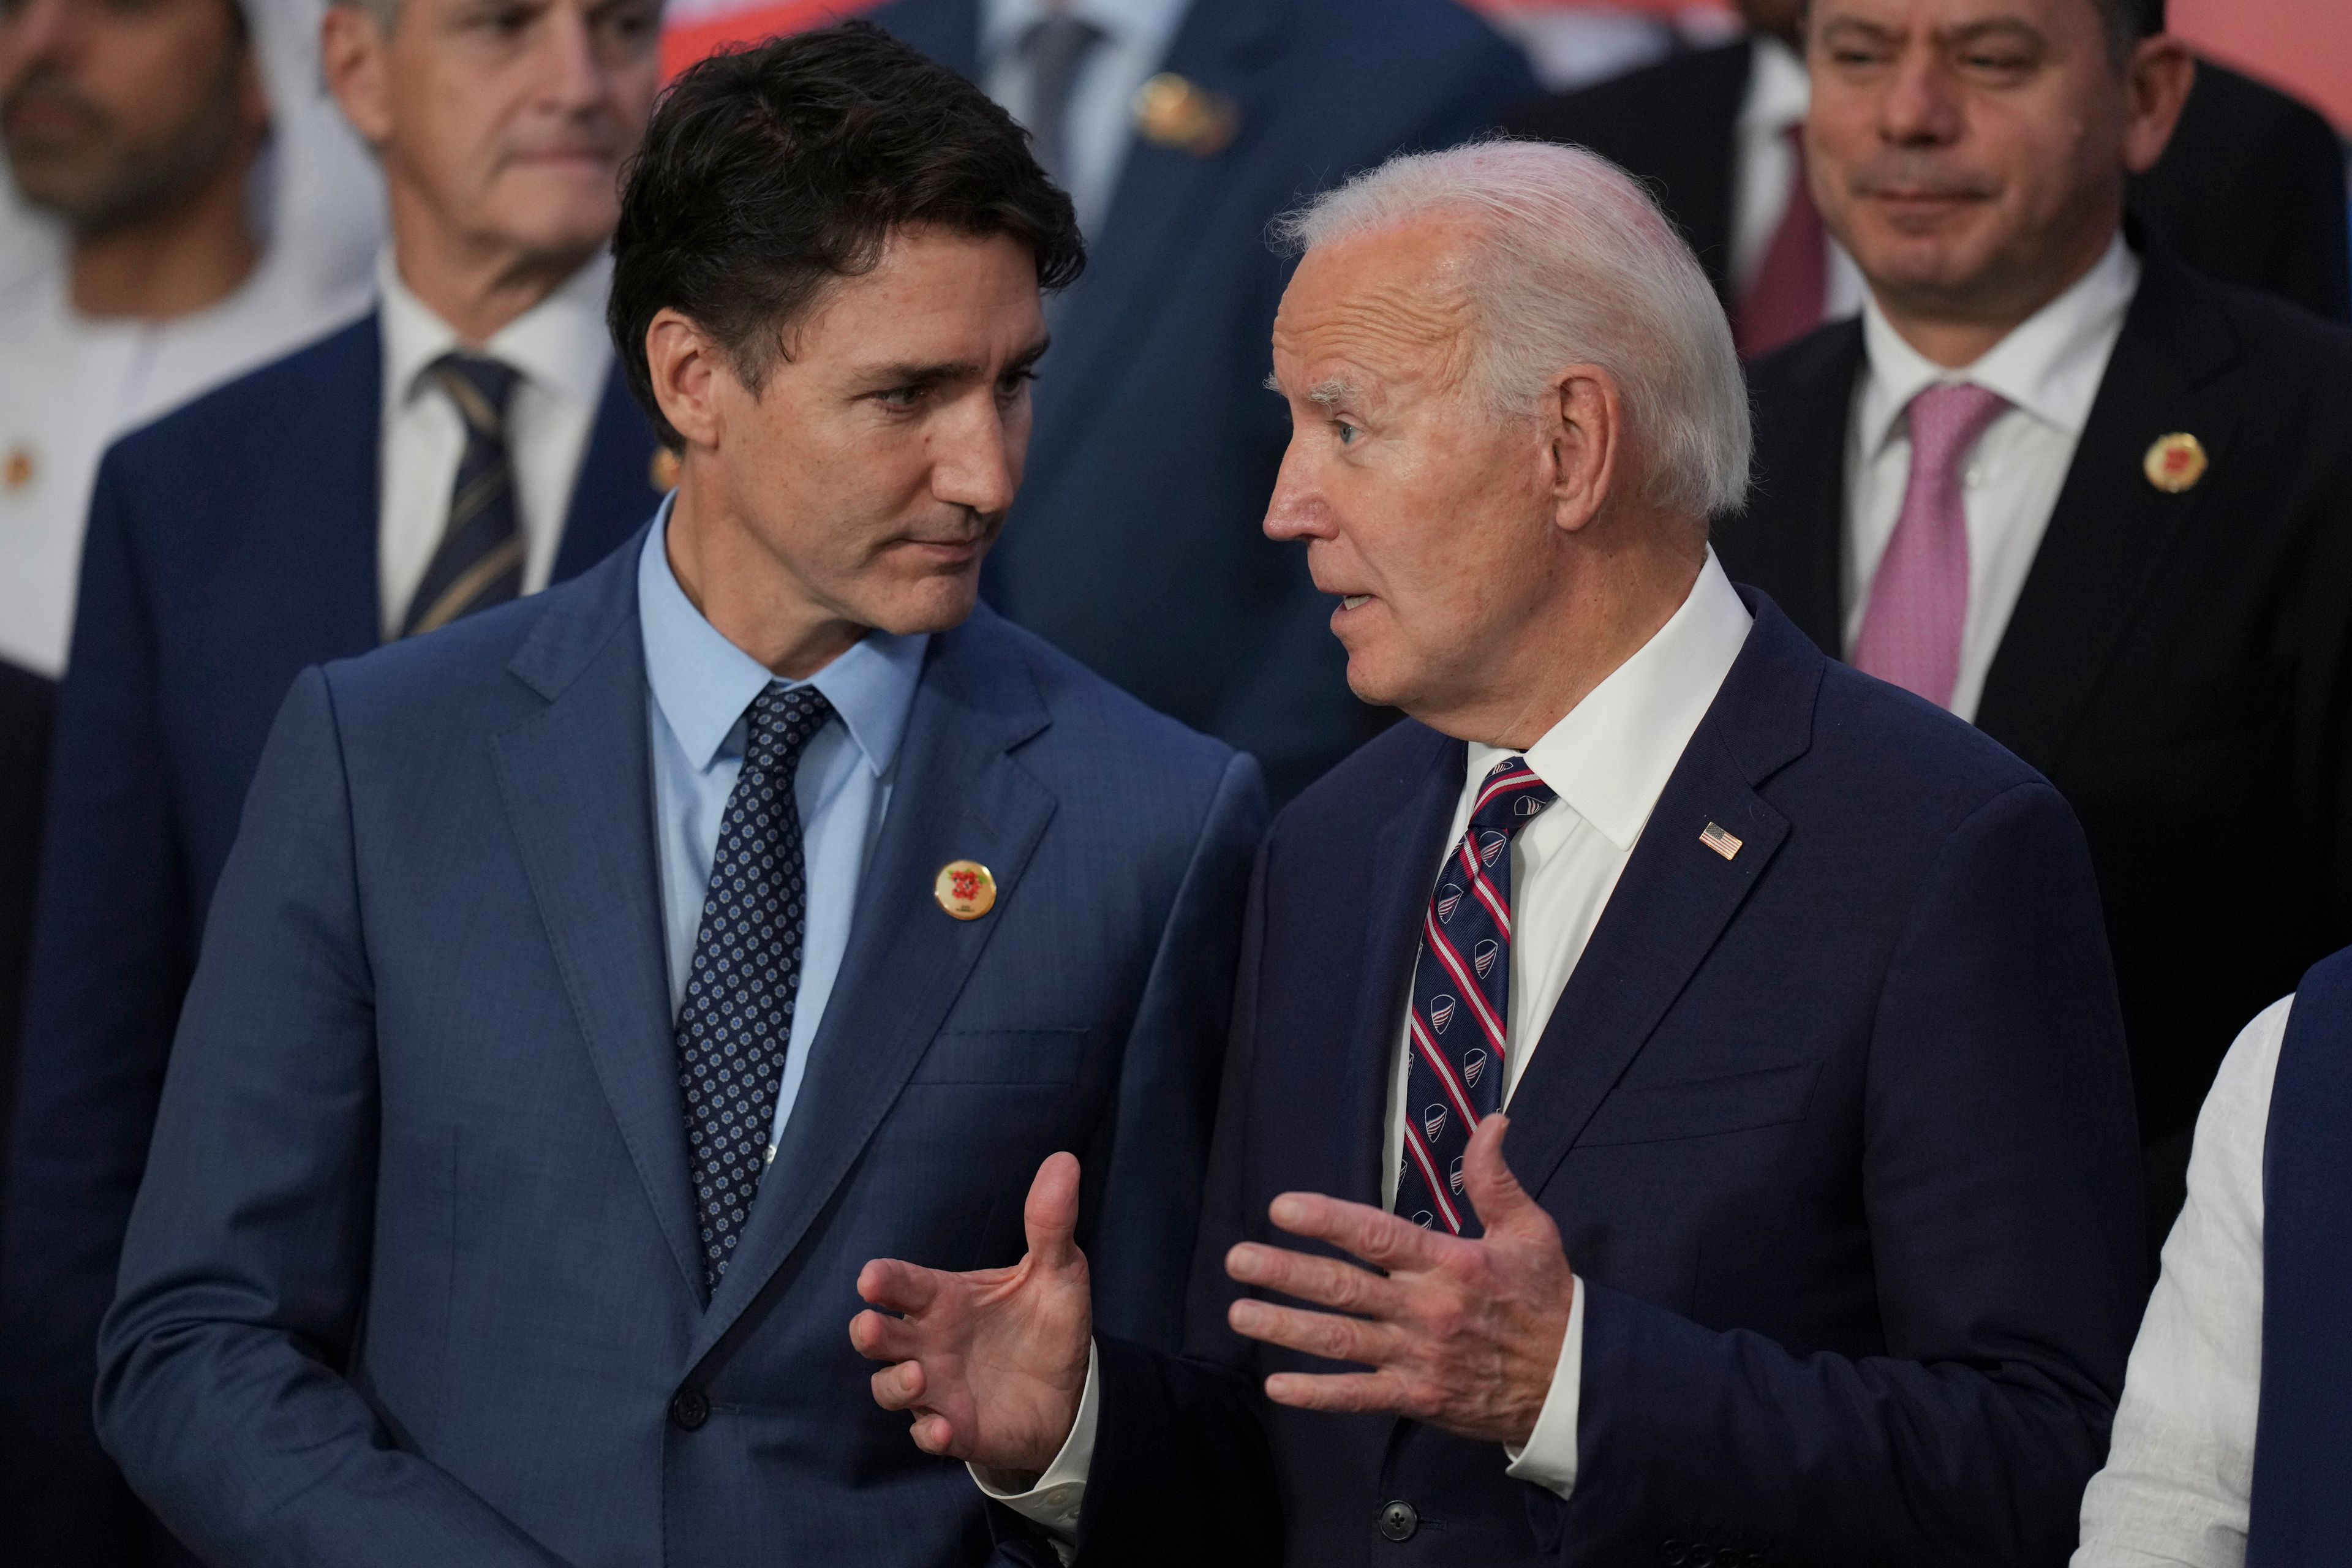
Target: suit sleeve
245, 1270
111, 949
1998, 1182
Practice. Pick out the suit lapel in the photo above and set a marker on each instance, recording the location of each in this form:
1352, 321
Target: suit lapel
947, 31
1229, 47
1675, 897
2113, 533
577, 780
959, 795
319, 552
615, 492
1789, 540
1704, 152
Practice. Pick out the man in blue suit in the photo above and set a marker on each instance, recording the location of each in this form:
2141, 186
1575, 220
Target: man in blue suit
311, 511
596, 984
1136, 544
1818, 1240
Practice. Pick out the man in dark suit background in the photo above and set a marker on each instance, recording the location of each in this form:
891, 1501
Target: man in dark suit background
467, 440
2251, 187
2060, 483
1793, 988
596, 984
1136, 544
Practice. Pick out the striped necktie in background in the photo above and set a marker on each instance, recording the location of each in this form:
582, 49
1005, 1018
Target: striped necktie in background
479, 560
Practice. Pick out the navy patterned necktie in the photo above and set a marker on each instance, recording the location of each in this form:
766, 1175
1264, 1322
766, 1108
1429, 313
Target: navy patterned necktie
736, 1022
478, 562
1462, 999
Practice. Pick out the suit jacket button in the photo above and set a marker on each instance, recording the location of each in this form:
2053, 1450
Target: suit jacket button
1398, 1520
691, 1409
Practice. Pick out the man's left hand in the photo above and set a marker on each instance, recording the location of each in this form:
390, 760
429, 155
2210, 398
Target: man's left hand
1461, 1334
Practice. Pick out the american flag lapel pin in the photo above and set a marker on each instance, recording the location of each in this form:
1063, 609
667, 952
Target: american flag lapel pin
1716, 838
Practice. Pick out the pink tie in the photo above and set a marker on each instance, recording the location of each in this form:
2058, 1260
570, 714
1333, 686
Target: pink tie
1919, 599
1791, 286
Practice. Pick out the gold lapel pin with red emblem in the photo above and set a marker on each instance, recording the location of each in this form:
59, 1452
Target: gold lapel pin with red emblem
965, 890
1171, 110
17, 469
2176, 462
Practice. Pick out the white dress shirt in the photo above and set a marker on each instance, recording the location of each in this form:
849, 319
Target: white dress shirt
2049, 369
1100, 118
2181, 1467
564, 352
1764, 170
1607, 760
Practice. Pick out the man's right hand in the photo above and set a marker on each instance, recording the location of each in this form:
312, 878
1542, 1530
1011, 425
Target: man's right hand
992, 1363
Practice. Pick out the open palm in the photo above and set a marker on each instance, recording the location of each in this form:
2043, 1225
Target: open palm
992, 1363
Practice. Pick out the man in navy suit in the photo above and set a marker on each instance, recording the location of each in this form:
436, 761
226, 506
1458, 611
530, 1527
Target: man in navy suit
596, 984
1181, 127
1818, 1239
319, 506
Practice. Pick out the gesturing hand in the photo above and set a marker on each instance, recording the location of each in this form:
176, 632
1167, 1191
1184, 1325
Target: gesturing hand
1460, 1334
993, 1363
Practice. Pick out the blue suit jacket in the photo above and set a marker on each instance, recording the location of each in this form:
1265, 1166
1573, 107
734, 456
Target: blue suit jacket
415, 1276
1136, 544
1837, 1133
230, 544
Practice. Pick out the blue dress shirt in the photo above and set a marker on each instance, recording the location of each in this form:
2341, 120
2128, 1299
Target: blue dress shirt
702, 684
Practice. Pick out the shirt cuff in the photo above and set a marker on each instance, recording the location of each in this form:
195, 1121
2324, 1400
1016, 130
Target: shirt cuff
1550, 1457
1053, 1500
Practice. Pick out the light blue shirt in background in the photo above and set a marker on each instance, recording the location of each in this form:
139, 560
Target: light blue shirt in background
1100, 121
701, 686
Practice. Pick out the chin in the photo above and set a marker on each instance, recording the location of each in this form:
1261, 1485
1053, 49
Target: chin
937, 604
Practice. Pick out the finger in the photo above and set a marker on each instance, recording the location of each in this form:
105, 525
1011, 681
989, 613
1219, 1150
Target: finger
1051, 1214
1346, 1390
1502, 1205
1325, 1281
1315, 1334
897, 1286
900, 1386
1373, 1235
934, 1433
877, 1337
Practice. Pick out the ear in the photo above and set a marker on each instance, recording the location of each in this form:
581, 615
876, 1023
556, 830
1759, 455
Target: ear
2157, 83
354, 50
1583, 415
690, 372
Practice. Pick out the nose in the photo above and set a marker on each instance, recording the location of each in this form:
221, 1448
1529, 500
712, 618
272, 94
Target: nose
571, 78
1922, 105
1297, 509
39, 31
977, 456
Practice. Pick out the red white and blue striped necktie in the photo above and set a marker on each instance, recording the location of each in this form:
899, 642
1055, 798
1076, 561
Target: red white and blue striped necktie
1461, 1000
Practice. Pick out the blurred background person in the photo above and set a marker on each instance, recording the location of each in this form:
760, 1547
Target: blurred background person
469, 439
1180, 128
2065, 486
2251, 188
183, 203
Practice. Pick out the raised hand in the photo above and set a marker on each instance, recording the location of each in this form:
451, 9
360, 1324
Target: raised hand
1460, 1334
992, 1363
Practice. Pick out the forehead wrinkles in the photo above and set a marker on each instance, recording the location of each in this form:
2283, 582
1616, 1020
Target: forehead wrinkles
1402, 330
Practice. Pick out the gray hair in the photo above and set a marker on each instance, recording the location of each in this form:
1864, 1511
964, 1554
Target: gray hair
1574, 263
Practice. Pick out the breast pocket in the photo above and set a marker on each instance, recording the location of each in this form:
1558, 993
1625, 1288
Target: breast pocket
1004, 1056
1703, 1107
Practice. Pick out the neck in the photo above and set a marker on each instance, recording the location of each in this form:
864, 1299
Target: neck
476, 287
174, 262
1956, 331
1611, 602
744, 591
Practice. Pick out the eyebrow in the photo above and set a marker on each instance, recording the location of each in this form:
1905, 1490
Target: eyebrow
911, 375
1328, 393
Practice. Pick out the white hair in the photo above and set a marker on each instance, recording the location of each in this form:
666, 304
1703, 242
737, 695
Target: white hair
1574, 263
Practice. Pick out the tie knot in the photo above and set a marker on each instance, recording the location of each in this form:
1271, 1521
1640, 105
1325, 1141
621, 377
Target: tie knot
479, 386
782, 720
1055, 43
1511, 797
1945, 421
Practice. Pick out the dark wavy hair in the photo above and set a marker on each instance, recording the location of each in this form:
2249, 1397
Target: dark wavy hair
768, 172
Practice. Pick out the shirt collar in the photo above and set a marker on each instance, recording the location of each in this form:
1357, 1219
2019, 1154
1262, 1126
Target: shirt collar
1003, 23
1609, 759
2050, 366
1780, 93
702, 683
561, 345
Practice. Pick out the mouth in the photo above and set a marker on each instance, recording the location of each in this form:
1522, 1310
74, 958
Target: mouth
1354, 601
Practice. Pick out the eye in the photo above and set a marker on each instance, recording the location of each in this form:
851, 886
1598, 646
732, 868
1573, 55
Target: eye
901, 398
1008, 387
1345, 432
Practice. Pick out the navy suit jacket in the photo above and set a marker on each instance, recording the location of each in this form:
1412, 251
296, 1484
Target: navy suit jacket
1837, 1130
415, 1276
1136, 544
230, 544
